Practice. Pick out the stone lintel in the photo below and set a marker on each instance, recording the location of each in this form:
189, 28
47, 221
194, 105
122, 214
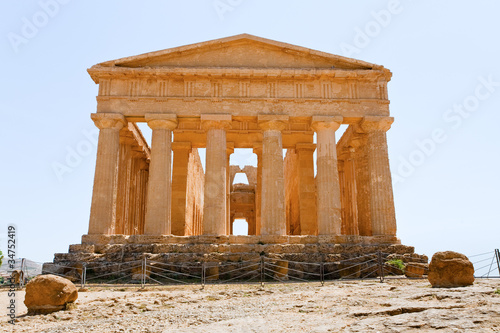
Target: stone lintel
305, 146
181, 145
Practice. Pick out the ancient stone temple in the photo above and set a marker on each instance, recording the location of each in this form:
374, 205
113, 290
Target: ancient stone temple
323, 197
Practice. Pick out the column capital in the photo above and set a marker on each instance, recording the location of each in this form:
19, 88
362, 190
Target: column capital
326, 122
109, 120
347, 153
376, 124
161, 120
216, 121
272, 122
305, 147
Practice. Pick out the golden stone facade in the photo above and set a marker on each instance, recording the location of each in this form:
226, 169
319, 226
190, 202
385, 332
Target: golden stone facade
242, 92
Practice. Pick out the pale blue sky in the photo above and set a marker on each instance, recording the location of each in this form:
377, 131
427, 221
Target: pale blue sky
439, 52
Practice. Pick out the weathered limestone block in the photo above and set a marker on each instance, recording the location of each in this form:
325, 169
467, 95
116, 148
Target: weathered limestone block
450, 269
280, 269
241, 248
293, 248
349, 270
416, 270
111, 248
49, 293
74, 272
309, 239
392, 270
138, 248
211, 271
243, 239
272, 239
207, 239
138, 273
81, 248
73, 256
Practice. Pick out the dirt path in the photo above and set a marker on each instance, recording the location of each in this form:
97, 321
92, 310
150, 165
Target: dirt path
360, 306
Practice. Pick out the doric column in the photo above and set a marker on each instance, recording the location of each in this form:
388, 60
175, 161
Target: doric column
229, 151
257, 150
179, 187
327, 177
307, 189
362, 184
351, 207
160, 188
214, 211
102, 212
273, 217
383, 216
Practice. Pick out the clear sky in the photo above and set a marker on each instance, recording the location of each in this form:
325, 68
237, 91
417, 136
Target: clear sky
445, 97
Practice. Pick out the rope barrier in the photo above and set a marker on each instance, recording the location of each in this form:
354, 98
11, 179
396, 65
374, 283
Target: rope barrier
477, 255
267, 265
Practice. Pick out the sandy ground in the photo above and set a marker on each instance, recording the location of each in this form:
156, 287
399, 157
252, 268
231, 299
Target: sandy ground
339, 306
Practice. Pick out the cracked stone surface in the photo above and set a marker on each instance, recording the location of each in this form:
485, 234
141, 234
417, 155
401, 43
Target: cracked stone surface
398, 305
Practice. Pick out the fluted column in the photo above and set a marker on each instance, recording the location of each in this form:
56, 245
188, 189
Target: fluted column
307, 189
160, 186
229, 151
179, 188
214, 210
257, 150
382, 211
351, 208
102, 212
327, 177
273, 215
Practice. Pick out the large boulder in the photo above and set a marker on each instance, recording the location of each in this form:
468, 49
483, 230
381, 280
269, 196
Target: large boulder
49, 293
450, 269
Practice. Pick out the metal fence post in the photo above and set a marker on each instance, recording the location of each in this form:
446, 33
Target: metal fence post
322, 273
497, 256
202, 275
84, 274
143, 272
380, 266
21, 274
262, 271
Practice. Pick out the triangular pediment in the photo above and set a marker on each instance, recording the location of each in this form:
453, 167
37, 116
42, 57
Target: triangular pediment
240, 51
